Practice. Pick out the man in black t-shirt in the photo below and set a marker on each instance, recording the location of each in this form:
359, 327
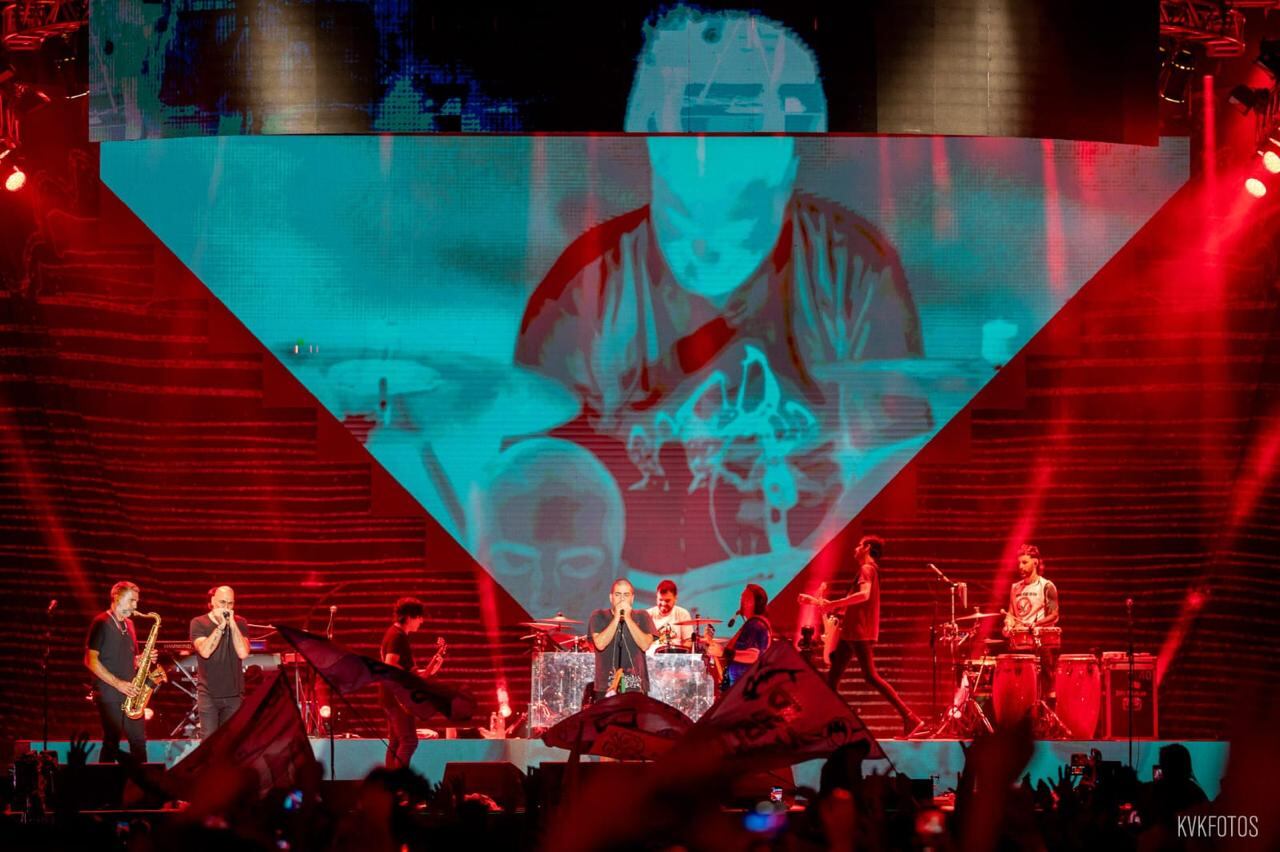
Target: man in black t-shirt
111, 654
402, 731
744, 648
621, 635
219, 639
860, 631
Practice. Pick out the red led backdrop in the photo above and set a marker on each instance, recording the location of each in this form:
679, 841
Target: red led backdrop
1135, 440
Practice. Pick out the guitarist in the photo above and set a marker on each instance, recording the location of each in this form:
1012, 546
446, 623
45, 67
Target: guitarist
752, 639
860, 609
402, 732
621, 635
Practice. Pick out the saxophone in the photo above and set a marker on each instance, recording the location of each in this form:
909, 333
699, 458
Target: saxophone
148, 679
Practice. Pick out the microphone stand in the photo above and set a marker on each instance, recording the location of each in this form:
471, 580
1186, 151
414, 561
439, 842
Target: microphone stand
1129, 607
933, 630
48, 640
617, 655
333, 763
933, 649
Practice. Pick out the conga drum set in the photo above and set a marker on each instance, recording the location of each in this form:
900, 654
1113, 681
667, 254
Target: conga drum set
1004, 687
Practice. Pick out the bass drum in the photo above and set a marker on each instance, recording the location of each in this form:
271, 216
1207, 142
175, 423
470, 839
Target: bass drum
1014, 692
1079, 687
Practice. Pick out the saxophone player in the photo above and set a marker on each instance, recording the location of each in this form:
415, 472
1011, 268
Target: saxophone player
220, 643
111, 654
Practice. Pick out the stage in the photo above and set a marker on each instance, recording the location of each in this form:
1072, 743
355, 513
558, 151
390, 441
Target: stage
942, 759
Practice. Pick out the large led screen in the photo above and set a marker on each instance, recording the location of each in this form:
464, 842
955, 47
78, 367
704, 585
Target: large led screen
693, 358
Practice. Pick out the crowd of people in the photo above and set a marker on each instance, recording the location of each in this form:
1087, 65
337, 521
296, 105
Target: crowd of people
992, 805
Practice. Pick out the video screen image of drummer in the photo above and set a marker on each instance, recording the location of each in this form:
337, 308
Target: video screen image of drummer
685, 357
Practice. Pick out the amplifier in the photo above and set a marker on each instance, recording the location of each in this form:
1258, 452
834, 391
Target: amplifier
1115, 691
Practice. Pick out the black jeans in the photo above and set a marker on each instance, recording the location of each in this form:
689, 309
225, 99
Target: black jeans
115, 724
865, 652
402, 732
214, 712
1048, 672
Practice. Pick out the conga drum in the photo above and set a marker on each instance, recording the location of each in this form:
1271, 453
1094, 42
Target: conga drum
1048, 637
1022, 639
1079, 687
1014, 692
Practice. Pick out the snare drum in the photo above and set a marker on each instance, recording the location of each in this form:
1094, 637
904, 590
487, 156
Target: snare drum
1048, 637
1079, 687
1014, 692
980, 672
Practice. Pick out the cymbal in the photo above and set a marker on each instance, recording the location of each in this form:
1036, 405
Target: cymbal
554, 638
978, 616
369, 379
433, 392
695, 622
922, 368
540, 626
558, 618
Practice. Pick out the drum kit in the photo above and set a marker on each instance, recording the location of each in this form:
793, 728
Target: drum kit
1008, 684
680, 674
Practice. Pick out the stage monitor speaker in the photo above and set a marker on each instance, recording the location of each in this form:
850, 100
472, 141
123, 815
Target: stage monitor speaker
1146, 716
500, 781
106, 786
548, 780
341, 795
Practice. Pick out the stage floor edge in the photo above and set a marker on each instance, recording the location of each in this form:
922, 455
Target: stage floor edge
941, 759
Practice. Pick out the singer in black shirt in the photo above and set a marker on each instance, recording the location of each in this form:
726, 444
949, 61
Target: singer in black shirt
219, 639
621, 635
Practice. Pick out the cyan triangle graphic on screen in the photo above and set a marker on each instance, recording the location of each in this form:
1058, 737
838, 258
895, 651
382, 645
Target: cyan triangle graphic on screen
683, 357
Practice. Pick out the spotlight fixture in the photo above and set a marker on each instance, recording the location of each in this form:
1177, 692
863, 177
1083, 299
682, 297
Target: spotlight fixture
1247, 99
14, 177
326, 711
1175, 75
1269, 56
1255, 187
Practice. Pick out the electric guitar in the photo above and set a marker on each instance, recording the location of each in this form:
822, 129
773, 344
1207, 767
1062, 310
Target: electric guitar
436, 662
831, 623
623, 681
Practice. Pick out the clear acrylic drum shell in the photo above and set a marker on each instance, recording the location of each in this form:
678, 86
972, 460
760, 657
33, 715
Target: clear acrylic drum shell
559, 679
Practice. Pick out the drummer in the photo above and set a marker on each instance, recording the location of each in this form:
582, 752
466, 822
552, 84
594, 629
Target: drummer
666, 617
1033, 604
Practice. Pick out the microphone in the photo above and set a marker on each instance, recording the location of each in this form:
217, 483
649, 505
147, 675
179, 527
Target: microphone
941, 576
622, 613
1128, 607
53, 604
333, 610
734, 619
